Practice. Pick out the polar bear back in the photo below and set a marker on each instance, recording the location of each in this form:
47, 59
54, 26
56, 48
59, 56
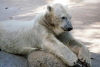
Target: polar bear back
15, 25
16, 35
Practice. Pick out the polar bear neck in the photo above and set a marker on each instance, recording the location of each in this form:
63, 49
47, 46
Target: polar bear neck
45, 22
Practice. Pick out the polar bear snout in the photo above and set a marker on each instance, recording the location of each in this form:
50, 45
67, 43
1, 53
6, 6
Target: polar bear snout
67, 28
66, 25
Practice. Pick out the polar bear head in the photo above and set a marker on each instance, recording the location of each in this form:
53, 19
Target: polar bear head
57, 19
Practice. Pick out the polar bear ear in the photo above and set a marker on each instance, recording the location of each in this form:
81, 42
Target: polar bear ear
49, 8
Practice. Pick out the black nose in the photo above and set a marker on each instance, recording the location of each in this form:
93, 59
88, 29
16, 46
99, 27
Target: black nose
69, 29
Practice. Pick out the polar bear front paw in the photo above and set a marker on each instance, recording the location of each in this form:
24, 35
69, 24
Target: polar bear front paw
84, 57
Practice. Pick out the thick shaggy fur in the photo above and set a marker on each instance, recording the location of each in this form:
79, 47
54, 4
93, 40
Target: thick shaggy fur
22, 37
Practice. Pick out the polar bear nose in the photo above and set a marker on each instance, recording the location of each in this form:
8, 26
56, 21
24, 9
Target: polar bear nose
69, 29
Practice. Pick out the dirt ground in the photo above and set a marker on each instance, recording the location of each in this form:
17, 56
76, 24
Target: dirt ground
85, 19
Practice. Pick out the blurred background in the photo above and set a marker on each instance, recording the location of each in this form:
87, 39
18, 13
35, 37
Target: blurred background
85, 19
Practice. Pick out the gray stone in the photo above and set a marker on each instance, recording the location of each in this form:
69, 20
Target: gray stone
44, 59
35, 59
10, 60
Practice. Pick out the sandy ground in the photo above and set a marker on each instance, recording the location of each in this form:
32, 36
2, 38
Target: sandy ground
85, 19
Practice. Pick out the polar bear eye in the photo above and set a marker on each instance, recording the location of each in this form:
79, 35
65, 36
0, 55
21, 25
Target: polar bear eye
63, 17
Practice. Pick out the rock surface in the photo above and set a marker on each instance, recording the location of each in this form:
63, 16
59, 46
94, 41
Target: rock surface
35, 59
44, 59
10, 60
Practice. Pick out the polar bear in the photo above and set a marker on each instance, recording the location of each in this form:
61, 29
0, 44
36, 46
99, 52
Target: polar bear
23, 37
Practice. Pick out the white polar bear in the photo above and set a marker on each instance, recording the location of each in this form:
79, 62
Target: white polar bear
23, 37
